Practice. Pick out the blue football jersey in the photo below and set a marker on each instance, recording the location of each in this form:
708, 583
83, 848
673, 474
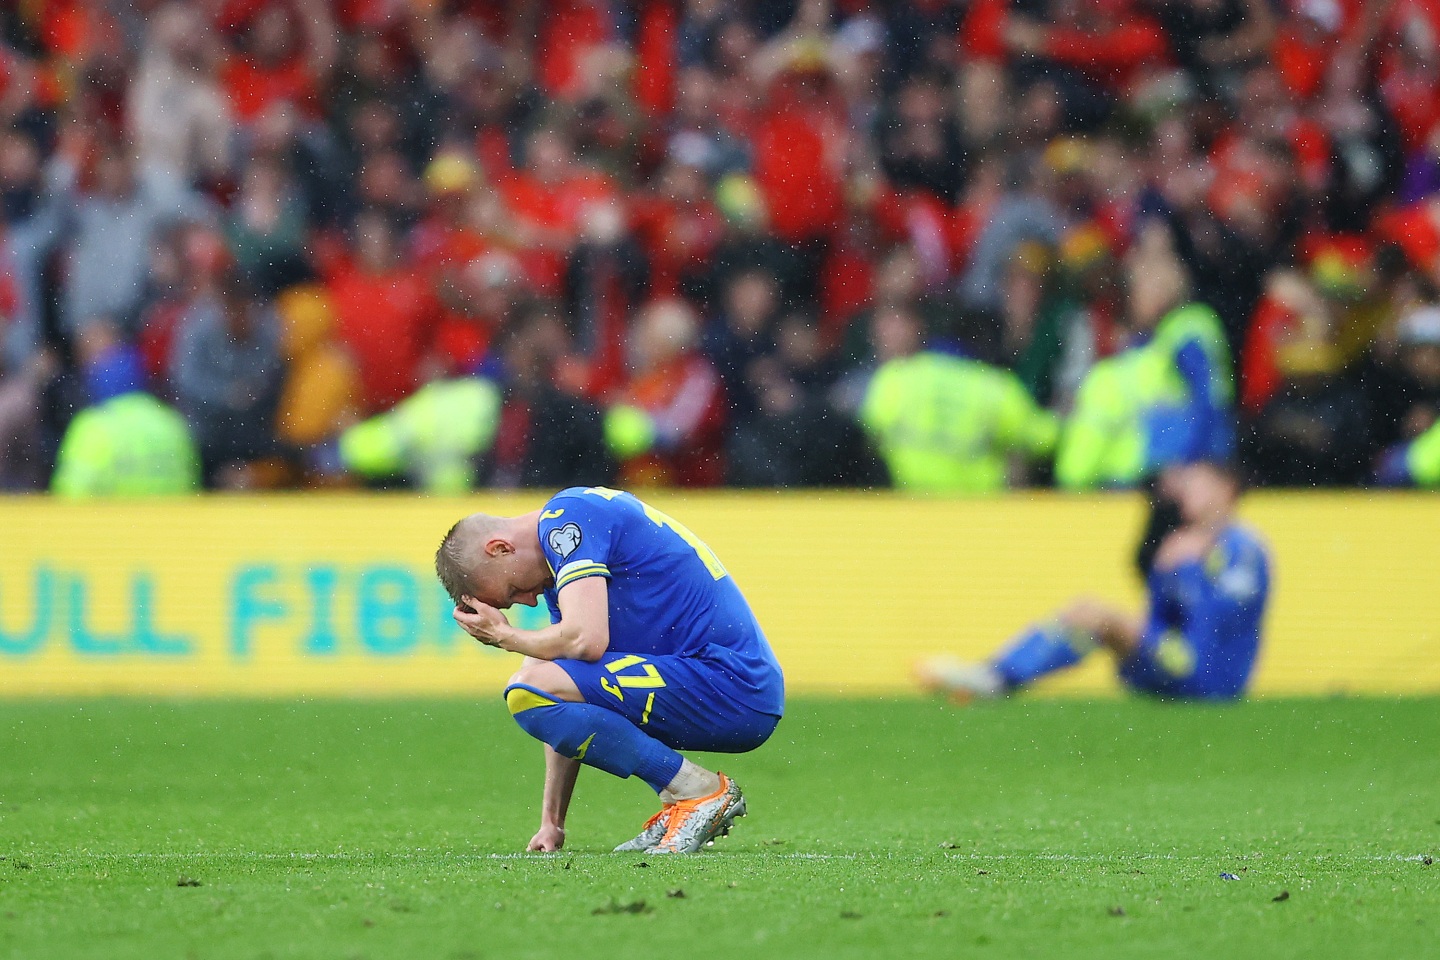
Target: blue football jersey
668, 593
1203, 632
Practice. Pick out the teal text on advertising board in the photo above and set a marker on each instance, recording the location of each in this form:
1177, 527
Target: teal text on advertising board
61, 608
321, 610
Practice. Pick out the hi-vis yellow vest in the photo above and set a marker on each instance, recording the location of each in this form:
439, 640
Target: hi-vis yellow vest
433, 436
129, 446
946, 425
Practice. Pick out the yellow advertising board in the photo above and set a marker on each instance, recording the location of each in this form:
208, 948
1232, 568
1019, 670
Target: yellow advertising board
334, 595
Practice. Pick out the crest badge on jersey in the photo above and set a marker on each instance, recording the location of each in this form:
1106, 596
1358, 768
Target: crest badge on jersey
564, 540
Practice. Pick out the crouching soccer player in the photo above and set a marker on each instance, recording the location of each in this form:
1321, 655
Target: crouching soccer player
1208, 583
652, 650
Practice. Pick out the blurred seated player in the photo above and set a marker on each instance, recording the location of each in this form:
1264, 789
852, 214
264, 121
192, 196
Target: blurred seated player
652, 649
1208, 582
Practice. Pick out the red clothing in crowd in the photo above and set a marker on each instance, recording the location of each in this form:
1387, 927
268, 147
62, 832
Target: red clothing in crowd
461, 341
1301, 61
233, 15
1413, 96
157, 337
492, 149
1236, 164
655, 56
1260, 374
982, 33
1416, 231
675, 236
556, 210
74, 29
798, 158
570, 30
385, 320
1115, 56
438, 247
847, 283
9, 298
254, 87
940, 234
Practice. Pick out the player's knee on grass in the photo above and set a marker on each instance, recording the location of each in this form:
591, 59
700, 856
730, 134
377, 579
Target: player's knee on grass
1085, 614
1104, 624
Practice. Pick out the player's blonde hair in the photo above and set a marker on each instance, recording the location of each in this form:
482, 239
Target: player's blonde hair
456, 560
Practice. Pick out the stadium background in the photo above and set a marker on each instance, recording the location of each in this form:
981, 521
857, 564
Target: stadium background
282, 217
240, 723
472, 192
985, 167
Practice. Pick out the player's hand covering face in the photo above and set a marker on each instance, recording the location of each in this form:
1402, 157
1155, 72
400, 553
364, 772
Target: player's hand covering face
481, 621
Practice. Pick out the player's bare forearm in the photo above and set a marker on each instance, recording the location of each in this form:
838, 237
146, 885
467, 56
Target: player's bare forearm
559, 641
583, 632
560, 775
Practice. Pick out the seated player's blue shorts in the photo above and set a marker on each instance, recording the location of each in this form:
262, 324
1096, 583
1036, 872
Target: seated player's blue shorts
1165, 665
687, 703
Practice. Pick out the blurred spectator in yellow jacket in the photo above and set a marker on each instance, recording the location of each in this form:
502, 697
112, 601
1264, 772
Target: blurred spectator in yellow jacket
320, 396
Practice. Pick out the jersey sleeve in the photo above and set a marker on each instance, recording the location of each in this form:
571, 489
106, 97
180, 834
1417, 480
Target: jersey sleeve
576, 537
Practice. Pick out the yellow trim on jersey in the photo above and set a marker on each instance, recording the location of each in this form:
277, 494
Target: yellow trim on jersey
579, 570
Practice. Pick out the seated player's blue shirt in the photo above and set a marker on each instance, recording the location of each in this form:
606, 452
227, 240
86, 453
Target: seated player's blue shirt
1203, 630
668, 593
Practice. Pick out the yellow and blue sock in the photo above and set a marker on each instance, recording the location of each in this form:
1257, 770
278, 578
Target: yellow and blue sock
1041, 650
595, 736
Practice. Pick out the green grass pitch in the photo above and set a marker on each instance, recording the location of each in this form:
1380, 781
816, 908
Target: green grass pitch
877, 828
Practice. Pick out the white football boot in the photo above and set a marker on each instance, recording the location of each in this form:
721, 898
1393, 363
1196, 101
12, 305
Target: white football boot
695, 823
960, 680
650, 834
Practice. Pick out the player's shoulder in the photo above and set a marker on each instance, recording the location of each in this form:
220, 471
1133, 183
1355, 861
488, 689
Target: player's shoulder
566, 495
587, 501
1242, 546
1245, 536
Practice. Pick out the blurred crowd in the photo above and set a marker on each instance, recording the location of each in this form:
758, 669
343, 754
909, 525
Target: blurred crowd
946, 244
